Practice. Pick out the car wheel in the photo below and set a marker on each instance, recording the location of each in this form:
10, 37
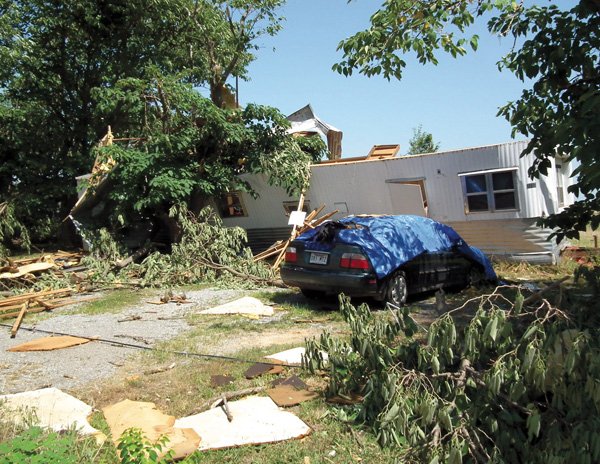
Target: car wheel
476, 278
312, 294
396, 290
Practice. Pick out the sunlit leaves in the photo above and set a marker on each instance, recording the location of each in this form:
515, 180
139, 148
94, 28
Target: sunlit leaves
515, 384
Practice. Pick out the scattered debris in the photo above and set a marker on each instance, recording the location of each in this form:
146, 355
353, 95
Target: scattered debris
134, 337
11, 307
222, 402
158, 370
220, 380
52, 408
20, 316
288, 395
135, 317
279, 247
245, 305
293, 380
50, 343
26, 270
293, 356
169, 297
256, 420
153, 423
258, 369
229, 395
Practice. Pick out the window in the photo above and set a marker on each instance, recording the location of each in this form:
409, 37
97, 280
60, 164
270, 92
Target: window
491, 191
231, 205
560, 186
290, 206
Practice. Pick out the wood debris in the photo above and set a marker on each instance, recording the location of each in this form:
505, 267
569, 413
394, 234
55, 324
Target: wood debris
170, 297
60, 260
310, 222
50, 343
18, 306
11, 307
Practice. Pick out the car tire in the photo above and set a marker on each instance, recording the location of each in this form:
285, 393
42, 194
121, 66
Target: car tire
476, 277
396, 290
312, 294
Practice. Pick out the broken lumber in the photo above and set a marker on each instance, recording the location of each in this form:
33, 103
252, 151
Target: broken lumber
17, 324
26, 296
65, 302
279, 247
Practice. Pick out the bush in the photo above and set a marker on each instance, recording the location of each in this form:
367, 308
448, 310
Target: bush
516, 383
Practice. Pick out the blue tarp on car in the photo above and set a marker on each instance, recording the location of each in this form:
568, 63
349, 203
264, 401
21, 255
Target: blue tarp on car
391, 241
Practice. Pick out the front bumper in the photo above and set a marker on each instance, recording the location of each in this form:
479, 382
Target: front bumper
351, 284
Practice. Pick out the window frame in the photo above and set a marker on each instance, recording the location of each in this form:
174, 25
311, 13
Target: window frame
292, 205
490, 192
225, 204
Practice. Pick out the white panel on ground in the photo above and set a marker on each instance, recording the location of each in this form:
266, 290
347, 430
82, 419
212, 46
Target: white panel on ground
255, 420
406, 199
50, 408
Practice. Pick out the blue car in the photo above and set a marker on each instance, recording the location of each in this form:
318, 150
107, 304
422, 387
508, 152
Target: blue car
384, 257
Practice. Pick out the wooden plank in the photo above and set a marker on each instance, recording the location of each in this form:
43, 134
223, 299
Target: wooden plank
268, 251
40, 309
26, 296
49, 302
20, 316
281, 255
272, 252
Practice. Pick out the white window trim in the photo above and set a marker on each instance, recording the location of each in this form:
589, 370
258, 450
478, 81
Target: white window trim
489, 190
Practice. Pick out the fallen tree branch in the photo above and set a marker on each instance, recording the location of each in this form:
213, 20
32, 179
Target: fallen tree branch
538, 295
222, 267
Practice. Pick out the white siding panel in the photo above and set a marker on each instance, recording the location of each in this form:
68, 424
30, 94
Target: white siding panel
362, 186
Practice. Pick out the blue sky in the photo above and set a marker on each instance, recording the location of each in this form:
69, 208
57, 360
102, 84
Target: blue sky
456, 101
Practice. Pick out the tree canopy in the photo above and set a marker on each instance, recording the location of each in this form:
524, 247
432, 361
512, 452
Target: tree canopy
557, 50
421, 142
68, 70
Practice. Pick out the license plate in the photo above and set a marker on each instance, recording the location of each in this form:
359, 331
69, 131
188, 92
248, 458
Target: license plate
318, 258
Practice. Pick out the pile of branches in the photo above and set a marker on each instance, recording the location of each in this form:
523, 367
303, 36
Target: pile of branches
208, 252
519, 382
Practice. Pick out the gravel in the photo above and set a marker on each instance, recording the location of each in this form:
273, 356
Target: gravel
84, 364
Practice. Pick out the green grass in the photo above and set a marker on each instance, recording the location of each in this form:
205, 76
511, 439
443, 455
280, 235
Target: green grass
111, 303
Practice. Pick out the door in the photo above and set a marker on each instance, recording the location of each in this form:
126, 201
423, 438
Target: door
407, 198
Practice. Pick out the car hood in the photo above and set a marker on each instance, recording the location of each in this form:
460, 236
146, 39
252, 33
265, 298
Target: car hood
391, 241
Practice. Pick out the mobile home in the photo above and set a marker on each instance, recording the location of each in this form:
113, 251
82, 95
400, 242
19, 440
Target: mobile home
485, 193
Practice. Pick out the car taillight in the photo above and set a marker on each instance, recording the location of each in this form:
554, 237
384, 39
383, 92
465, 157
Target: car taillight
290, 255
354, 261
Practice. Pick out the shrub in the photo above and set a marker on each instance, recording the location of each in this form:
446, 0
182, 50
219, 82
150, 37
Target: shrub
516, 383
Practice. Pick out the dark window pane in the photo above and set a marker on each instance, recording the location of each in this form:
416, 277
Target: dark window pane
505, 200
503, 180
476, 184
477, 203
